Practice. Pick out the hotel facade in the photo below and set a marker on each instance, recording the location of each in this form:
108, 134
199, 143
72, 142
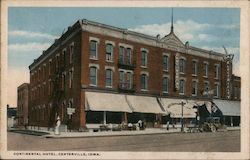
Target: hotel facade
100, 74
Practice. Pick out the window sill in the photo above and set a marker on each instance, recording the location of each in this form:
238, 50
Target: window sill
93, 85
144, 90
109, 87
93, 58
164, 70
164, 92
182, 73
205, 76
194, 75
111, 61
144, 67
194, 95
182, 94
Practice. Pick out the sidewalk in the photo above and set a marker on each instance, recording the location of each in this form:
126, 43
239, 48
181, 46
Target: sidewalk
147, 131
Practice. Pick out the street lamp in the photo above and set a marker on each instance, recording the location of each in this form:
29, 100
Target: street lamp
182, 104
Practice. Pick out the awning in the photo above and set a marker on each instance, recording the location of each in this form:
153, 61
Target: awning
174, 107
228, 108
144, 104
96, 101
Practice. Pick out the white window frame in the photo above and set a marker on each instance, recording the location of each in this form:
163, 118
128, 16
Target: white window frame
144, 50
112, 51
184, 65
146, 82
184, 86
196, 67
206, 69
217, 71
111, 72
93, 39
167, 55
196, 87
163, 91
96, 74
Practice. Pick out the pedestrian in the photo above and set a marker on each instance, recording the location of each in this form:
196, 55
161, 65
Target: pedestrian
167, 125
58, 123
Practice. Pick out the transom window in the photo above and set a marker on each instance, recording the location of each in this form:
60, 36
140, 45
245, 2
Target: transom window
144, 82
165, 85
182, 64
109, 78
93, 49
165, 62
93, 76
109, 52
144, 58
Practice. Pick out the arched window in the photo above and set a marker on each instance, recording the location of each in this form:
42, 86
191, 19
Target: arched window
165, 62
182, 86
93, 49
165, 85
109, 52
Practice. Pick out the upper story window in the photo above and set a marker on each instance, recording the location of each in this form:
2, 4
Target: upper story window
216, 71
63, 81
182, 87
129, 80
165, 84
93, 76
216, 90
182, 65
144, 58
71, 78
109, 78
64, 56
50, 67
144, 82
57, 62
129, 56
194, 87
206, 88
109, 52
165, 62
121, 54
93, 49
194, 67
122, 79
205, 69
71, 53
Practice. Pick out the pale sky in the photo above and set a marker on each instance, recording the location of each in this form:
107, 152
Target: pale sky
32, 30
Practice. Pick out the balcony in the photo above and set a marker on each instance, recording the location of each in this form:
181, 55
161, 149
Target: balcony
126, 65
126, 87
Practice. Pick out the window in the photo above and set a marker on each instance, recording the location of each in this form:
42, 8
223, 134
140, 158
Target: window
216, 71
109, 78
206, 69
63, 81
109, 52
71, 53
64, 57
93, 76
144, 82
122, 79
50, 67
206, 88
121, 55
57, 62
216, 90
165, 85
194, 88
130, 80
182, 86
182, 65
129, 56
194, 68
165, 63
93, 49
144, 58
71, 78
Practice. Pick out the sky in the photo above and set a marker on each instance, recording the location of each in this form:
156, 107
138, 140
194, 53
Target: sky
32, 30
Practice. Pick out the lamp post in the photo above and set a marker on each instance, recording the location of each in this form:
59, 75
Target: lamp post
182, 104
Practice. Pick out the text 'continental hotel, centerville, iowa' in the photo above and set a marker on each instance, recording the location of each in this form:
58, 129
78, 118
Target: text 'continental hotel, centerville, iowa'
100, 74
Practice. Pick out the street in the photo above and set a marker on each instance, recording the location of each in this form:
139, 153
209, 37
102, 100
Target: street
177, 142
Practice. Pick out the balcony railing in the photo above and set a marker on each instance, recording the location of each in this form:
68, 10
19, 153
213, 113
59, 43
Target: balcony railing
126, 87
126, 64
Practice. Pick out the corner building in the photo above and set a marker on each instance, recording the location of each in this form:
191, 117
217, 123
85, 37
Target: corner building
99, 74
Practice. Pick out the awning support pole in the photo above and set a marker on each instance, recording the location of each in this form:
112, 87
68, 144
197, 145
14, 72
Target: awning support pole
104, 118
125, 118
232, 121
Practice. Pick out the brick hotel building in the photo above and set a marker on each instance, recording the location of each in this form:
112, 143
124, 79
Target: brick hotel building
96, 73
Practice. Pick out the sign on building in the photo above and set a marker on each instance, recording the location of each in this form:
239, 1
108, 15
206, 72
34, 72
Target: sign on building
70, 111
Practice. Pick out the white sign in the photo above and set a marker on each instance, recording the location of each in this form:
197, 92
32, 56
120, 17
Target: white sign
70, 111
177, 71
